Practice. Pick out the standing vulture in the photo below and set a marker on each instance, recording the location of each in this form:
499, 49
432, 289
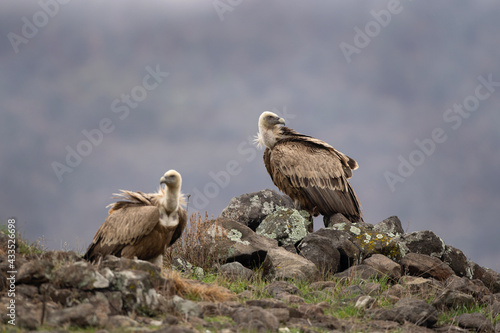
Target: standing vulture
142, 225
308, 170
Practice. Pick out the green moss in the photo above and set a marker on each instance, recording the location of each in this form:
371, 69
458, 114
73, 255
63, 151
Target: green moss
372, 242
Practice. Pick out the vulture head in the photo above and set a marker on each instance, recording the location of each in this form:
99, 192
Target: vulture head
172, 179
269, 129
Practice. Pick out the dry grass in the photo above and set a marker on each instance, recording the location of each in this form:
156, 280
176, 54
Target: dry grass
197, 290
200, 243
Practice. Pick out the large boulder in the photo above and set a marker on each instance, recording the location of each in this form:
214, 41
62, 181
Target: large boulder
350, 252
424, 242
322, 251
371, 241
426, 266
288, 226
281, 264
240, 243
252, 208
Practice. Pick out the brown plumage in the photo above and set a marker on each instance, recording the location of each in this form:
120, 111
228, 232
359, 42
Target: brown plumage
142, 225
308, 170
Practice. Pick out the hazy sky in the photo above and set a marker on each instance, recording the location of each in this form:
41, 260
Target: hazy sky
97, 97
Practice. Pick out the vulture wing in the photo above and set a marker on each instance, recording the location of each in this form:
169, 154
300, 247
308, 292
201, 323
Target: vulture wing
314, 174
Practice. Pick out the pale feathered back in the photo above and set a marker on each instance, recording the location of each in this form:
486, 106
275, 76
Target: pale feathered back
133, 229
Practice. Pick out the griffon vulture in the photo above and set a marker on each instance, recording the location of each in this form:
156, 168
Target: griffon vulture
142, 225
308, 170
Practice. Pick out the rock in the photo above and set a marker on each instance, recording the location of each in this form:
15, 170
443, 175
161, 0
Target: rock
475, 321
370, 241
409, 309
115, 264
35, 272
456, 259
424, 242
330, 221
252, 208
475, 288
182, 265
252, 318
394, 293
288, 226
281, 287
451, 299
185, 307
283, 265
426, 266
365, 302
349, 252
494, 309
81, 275
82, 315
362, 271
390, 226
138, 292
120, 322
417, 311
321, 251
490, 278
236, 271
242, 243
384, 265
421, 286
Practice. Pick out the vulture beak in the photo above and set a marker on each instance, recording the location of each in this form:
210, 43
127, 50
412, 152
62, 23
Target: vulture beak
167, 180
281, 121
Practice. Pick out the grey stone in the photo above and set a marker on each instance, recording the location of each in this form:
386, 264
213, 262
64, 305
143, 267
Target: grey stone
476, 321
138, 292
370, 241
390, 226
350, 253
490, 278
451, 299
330, 221
236, 271
413, 310
322, 251
384, 265
252, 208
424, 242
365, 302
425, 266
288, 226
253, 317
82, 315
456, 259
242, 243
186, 307
81, 275
35, 272
283, 265
362, 271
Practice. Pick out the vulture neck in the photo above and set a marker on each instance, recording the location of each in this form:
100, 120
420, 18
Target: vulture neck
268, 136
168, 207
171, 199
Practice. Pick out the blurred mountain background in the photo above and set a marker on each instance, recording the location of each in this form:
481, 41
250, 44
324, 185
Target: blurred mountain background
137, 88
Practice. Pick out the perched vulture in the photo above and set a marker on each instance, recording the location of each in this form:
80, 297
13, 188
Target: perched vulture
142, 225
308, 170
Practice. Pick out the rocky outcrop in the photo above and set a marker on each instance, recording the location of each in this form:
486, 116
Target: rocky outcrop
418, 275
252, 208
